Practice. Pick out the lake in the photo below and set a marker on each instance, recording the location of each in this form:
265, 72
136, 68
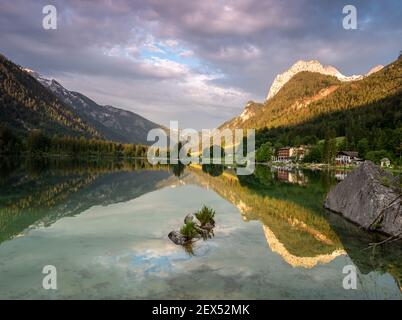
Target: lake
104, 226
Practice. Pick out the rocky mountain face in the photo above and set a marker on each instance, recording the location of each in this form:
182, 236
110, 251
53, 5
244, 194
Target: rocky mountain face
295, 95
249, 112
303, 87
369, 197
311, 66
113, 123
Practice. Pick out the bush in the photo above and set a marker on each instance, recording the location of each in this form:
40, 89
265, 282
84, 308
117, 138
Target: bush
205, 215
188, 230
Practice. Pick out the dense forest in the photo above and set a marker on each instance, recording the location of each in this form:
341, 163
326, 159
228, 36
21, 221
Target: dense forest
39, 144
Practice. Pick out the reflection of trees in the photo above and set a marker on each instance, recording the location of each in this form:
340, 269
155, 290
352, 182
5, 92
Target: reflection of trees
61, 166
189, 248
7, 166
387, 258
36, 166
178, 169
25, 203
311, 195
213, 170
213, 151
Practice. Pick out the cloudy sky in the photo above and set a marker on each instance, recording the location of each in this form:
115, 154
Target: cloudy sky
198, 62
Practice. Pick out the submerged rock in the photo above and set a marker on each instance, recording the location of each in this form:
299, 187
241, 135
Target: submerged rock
178, 238
369, 197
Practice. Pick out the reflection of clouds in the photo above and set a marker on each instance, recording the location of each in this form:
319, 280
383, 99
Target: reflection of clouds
142, 265
156, 248
151, 266
154, 258
225, 230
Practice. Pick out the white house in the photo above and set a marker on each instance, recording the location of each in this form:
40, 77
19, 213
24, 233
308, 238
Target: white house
385, 162
347, 157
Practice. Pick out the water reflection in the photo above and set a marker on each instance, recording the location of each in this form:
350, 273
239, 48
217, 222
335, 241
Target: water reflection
43, 191
294, 215
286, 203
214, 170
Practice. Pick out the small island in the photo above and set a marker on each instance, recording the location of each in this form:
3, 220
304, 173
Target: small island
196, 226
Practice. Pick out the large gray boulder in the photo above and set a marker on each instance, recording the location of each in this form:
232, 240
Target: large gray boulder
369, 197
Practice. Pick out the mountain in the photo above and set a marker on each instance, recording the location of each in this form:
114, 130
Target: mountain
113, 123
26, 105
302, 89
311, 66
297, 96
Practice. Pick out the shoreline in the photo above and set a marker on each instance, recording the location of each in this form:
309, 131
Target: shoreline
320, 166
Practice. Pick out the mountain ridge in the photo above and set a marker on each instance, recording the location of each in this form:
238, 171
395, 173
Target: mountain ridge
115, 124
297, 98
367, 114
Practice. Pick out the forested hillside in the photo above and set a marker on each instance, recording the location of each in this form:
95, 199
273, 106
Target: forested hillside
112, 123
26, 105
312, 106
368, 112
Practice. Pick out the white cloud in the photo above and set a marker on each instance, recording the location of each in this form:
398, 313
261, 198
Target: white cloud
164, 67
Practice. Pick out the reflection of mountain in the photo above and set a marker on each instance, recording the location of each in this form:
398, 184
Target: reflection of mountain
300, 235
27, 200
294, 223
293, 260
112, 188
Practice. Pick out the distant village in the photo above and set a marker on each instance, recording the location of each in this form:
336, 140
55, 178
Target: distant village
289, 155
285, 159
